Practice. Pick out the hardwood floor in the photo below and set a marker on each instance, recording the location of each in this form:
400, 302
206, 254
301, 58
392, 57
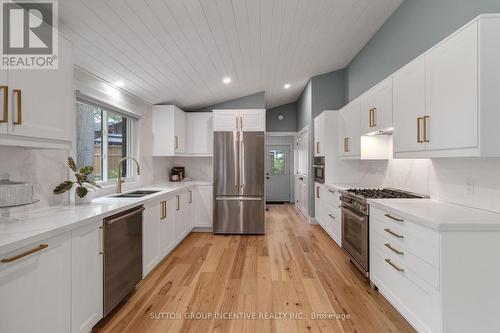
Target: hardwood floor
294, 271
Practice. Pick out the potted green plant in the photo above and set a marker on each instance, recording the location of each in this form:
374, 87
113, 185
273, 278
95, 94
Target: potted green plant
83, 183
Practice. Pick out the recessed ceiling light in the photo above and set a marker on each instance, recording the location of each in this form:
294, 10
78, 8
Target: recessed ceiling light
119, 83
286, 86
226, 80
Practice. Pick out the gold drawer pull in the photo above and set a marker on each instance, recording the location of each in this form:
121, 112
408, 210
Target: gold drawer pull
426, 118
399, 269
178, 203
317, 192
419, 130
393, 249
393, 233
190, 196
374, 120
5, 104
27, 253
19, 121
394, 218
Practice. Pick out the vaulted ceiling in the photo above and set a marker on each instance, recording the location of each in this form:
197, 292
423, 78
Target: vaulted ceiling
178, 51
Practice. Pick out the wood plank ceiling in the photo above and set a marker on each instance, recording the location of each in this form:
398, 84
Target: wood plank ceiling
178, 51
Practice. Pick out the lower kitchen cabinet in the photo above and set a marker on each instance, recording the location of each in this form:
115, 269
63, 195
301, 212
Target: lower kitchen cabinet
182, 216
35, 287
86, 277
327, 212
151, 254
167, 221
203, 206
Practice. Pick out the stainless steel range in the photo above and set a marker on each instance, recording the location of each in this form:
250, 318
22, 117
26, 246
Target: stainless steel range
355, 220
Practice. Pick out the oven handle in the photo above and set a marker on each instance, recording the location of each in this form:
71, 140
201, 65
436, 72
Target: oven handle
349, 210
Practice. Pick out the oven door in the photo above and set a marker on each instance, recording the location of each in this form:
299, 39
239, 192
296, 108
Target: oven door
319, 173
355, 236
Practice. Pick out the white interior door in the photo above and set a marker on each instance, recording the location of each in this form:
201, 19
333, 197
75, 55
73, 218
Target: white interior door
278, 173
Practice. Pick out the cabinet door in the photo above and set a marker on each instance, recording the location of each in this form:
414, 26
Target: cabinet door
352, 129
452, 92
409, 106
151, 237
319, 134
203, 206
199, 133
382, 105
226, 120
35, 290
167, 222
4, 101
253, 120
318, 204
179, 130
188, 207
86, 277
342, 129
163, 123
180, 223
47, 108
366, 105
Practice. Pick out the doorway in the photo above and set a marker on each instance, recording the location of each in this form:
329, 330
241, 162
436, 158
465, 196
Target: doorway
278, 173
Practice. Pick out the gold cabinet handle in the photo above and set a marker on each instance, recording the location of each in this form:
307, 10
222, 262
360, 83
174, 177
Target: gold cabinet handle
17, 93
178, 203
102, 240
393, 249
370, 118
419, 130
317, 192
317, 147
176, 142
393, 233
24, 254
190, 196
236, 120
162, 210
394, 218
426, 138
5, 118
241, 123
399, 269
348, 145
374, 120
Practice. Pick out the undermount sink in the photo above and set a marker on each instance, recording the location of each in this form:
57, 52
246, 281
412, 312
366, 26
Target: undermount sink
136, 194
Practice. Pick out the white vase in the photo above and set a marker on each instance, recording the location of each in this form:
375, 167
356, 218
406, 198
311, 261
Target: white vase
85, 200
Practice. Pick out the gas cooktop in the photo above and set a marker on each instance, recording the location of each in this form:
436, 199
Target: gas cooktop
385, 193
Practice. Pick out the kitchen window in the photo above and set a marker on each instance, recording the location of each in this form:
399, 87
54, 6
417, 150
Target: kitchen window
103, 137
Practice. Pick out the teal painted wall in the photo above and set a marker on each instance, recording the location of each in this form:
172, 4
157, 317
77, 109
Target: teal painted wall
289, 122
412, 29
254, 101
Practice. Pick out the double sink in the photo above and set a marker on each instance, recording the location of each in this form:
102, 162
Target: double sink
136, 194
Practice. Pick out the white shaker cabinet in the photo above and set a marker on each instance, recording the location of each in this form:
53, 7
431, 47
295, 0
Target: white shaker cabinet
350, 130
409, 106
35, 287
376, 108
40, 104
86, 277
167, 221
239, 120
203, 206
151, 252
451, 116
181, 216
169, 130
199, 133
320, 144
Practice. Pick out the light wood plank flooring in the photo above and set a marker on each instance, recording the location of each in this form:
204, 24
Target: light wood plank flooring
295, 270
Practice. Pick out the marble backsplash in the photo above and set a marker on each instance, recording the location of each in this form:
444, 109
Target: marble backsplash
198, 168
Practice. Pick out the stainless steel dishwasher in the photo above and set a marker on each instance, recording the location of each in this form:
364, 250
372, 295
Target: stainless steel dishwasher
122, 256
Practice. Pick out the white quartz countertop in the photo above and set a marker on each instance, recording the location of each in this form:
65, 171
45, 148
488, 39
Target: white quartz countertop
343, 186
35, 225
439, 215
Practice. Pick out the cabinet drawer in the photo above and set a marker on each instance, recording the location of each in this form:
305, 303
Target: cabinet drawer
420, 306
404, 238
425, 234
332, 198
421, 268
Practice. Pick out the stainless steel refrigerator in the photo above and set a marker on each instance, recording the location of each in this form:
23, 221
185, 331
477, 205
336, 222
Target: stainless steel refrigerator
239, 183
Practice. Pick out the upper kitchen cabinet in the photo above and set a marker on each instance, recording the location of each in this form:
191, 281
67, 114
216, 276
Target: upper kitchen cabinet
350, 130
169, 130
446, 101
409, 106
38, 105
199, 133
376, 108
319, 135
240, 120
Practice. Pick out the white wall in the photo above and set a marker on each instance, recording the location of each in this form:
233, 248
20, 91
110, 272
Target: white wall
443, 179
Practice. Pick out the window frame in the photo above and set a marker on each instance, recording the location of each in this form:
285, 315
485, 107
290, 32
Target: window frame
130, 141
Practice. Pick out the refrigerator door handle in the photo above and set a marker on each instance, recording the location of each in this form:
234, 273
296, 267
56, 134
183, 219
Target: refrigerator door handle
236, 155
242, 161
238, 199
